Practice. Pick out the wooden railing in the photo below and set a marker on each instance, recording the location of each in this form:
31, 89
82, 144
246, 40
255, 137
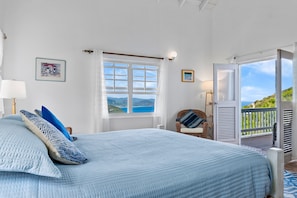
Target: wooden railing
257, 121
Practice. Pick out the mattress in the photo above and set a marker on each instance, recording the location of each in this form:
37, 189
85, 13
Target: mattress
149, 163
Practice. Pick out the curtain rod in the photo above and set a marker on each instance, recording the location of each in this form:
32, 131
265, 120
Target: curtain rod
122, 54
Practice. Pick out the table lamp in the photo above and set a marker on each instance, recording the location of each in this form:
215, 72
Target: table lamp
12, 89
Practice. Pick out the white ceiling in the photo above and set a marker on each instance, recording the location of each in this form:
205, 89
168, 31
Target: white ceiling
201, 4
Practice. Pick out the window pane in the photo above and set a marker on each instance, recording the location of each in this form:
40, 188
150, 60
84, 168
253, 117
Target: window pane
135, 66
108, 63
151, 85
117, 103
121, 64
143, 103
121, 77
120, 83
107, 77
152, 67
108, 70
121, 71
138, 72
138, 75
138, 84
151, 74
109, 83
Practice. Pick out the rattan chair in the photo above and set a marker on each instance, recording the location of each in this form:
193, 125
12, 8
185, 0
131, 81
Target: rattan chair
200, 131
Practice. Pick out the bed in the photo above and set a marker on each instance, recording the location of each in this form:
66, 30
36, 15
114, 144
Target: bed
129, 163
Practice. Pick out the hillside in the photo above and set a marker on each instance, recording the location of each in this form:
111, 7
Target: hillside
269, 101
115, 104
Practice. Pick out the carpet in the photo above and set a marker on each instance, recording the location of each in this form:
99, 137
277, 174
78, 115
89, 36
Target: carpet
290, 184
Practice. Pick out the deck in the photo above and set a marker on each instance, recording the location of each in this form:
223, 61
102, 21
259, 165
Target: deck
263, 142
257, 126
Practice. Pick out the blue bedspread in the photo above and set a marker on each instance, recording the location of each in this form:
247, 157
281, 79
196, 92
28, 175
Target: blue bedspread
149, 163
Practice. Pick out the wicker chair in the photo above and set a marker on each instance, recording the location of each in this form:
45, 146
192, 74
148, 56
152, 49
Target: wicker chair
200, 131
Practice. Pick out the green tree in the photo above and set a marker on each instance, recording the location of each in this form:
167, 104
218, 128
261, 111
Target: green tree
269, 101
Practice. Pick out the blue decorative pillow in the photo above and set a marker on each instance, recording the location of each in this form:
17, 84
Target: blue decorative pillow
191, 120
59, 147
22, 151
38, 112
50, 117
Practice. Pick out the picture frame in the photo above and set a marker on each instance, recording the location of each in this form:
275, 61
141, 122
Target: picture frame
47, 69
188, 75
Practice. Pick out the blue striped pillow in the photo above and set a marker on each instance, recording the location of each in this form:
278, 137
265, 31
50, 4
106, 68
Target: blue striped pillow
191, 119
59, 147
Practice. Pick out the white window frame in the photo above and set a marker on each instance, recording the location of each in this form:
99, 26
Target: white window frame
146, 91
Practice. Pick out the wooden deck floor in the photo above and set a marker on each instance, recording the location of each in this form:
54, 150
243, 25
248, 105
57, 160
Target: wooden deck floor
261, 142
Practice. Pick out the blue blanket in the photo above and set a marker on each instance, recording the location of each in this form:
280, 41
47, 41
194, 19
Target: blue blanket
149, 163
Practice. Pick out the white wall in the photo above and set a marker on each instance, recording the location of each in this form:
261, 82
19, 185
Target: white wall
1, 13
243, 27
61, 30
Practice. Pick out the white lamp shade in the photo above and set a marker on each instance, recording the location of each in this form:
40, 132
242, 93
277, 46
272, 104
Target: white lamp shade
207, 85
13, 89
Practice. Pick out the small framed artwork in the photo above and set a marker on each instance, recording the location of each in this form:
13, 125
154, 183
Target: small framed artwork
188, 75
50, 69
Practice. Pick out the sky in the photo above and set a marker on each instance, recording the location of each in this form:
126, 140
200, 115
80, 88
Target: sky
258, 79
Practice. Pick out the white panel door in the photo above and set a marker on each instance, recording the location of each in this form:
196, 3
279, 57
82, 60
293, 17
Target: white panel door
226, 103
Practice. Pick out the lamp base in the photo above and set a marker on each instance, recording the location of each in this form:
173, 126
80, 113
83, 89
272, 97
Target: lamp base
13, 107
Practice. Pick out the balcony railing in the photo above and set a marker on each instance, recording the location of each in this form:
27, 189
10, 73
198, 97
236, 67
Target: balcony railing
257, 121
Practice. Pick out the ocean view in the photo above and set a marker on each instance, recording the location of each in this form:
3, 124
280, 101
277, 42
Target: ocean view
140, 109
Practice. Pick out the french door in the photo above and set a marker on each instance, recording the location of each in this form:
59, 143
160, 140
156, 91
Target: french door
226, 101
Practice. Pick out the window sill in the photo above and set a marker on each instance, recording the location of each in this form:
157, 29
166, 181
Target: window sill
132, 115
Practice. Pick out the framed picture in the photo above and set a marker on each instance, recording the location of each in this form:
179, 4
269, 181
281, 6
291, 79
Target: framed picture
188, 75
50, 69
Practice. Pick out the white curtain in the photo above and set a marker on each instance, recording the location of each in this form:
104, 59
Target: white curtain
160, 114
1, 58
101, 117
294, 99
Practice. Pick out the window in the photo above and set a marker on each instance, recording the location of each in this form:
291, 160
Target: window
131, 87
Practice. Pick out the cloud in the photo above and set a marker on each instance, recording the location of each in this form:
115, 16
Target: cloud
265, 67
250, 93
268, 67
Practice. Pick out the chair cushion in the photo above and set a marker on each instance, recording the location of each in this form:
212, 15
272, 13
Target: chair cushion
191, 119
191, 130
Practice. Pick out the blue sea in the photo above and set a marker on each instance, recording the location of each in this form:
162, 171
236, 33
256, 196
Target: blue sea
140, 109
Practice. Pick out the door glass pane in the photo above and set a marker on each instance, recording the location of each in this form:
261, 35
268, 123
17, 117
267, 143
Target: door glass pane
226, 83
